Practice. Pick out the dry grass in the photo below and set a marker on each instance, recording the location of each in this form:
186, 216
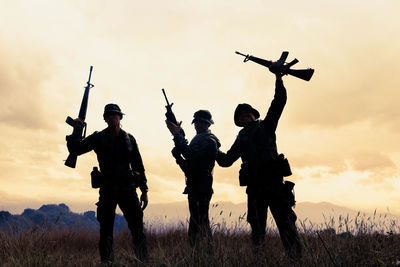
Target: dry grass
361, 245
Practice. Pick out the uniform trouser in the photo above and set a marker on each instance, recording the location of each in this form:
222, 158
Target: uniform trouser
199, 223
285, 219
128, 201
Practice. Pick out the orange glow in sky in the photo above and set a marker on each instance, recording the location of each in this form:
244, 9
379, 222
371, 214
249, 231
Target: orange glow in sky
340, 131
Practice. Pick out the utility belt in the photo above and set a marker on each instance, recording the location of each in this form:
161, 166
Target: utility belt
98, 179
199, 181
277, 168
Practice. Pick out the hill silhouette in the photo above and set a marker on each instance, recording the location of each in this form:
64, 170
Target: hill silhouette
54, 216
167, 215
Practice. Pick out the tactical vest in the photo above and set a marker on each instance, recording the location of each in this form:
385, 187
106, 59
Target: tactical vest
114, 154
199, 173
258, 150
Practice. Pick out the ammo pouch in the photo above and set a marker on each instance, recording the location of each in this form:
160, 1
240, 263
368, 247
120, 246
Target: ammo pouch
244, 174
288, 193
97, 178
283, 166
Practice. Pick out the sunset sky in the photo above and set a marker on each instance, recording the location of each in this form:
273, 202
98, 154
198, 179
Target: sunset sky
340, 131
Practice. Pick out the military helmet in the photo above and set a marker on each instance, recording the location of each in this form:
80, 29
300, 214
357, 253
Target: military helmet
112, 108
202, 115
244, 107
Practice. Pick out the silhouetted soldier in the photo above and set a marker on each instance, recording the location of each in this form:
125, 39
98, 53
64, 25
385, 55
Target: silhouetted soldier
197, 163
256, 146
121, 171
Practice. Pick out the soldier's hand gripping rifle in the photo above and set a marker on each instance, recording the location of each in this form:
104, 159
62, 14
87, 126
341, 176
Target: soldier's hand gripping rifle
280, 66
79, 131
170, 115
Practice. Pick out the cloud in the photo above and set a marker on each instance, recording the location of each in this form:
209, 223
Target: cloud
23, 70
370, 161
373, 168
380, 168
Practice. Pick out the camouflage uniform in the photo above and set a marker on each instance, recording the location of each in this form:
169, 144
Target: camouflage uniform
256, 146
122, 171
198, 163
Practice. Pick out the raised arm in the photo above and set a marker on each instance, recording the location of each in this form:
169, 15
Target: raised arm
278, 103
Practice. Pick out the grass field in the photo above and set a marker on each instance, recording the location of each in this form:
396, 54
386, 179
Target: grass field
361, 246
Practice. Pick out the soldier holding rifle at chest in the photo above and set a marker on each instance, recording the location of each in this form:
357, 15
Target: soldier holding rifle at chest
197, 160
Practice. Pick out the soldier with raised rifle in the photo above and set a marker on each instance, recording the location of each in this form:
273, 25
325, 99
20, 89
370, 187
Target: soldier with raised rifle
263, 169
121, 172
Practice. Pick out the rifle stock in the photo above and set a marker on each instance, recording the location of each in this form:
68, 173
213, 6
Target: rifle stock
71, 160
302, 74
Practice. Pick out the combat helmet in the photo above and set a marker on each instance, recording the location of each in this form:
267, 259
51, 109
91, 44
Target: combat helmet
203, 115
112, 108
244, 107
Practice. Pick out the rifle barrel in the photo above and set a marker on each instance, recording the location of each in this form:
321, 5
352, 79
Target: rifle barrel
236, 52
90, 75
166, 99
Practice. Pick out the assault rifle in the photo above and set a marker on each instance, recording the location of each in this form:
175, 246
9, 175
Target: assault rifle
79, 131
281, 66
169, 114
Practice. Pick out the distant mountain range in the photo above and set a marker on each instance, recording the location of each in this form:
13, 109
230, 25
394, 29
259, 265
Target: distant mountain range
319, 215
53, 216
223, 215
